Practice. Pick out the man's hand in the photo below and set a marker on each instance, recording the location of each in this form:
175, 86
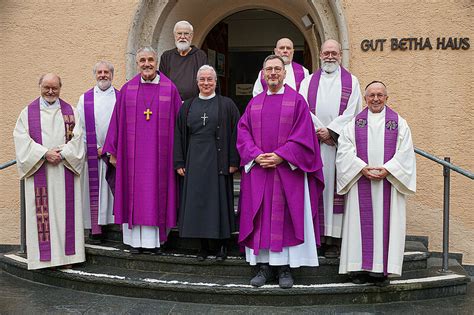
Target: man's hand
233, 169
53, 156
323, 134
181, 171
113, 160
99, 151
374, 173
269, 160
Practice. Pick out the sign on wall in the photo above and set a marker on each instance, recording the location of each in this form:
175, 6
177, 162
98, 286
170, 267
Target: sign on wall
415, 43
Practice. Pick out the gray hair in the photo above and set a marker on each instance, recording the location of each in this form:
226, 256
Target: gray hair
331, 40
42, 77
204, 68
271, 57
103, 62
184, 24
146, 49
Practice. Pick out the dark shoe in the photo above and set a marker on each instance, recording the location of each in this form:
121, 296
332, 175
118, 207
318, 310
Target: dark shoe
264, 274
152, 251
95, 239
135, 250
202, 254
359, 278
381, 281
222, 254
332, 251
285, 279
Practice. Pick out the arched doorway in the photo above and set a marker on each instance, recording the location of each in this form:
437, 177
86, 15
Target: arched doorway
237, 46
153, 22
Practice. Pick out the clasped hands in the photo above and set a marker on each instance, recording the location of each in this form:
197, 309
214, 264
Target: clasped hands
324, 136
374, 173
268, 160
53, 156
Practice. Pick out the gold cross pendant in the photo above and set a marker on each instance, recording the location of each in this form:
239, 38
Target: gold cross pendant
147, 113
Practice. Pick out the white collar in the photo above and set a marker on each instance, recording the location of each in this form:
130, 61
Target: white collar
108, 91
382, 112
207, 97
45, 104
280, 91
156, 80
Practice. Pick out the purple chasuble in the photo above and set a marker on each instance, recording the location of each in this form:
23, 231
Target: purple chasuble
272, 200
364, 185
346, 91
298, 71
92, 159
41, 184
145, 186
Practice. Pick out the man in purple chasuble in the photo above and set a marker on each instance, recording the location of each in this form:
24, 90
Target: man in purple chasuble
140, 143
50, 156
295, 73
95, 108
376, 170
281, 181
334, 98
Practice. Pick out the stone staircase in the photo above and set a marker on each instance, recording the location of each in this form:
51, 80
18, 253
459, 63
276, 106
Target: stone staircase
178, 276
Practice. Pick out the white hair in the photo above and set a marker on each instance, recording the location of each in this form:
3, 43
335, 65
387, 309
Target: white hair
103, 62
183, 24
205, 68
146, 49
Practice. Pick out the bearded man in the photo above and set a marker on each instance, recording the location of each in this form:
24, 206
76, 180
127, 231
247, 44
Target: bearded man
334, 98
182, 63
295, 73
95, 108
281, 180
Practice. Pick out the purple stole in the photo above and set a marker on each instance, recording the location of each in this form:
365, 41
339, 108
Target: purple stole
297, 70
364, 186
346, 91
41, 184
278, 200
164, 99
92, 160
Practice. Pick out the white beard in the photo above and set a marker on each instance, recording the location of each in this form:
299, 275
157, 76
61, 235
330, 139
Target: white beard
286, 59
182, 46
104, 84
329, 67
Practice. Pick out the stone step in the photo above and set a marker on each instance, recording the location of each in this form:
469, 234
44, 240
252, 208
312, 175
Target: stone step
235, 290
185, 262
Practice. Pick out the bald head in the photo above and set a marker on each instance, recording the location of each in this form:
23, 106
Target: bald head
331, 43
284, 48
50, 77
50, 87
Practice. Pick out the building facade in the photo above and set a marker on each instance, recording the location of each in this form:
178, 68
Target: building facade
430, 84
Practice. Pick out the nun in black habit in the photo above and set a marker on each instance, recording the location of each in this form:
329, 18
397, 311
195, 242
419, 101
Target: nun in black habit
205, 156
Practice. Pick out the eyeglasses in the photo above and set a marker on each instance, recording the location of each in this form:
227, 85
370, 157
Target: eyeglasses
330, 53
183, 34
206, 80
271, 69
372, 96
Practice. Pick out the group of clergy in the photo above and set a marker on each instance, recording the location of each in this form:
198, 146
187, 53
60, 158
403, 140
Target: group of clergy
319, 175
